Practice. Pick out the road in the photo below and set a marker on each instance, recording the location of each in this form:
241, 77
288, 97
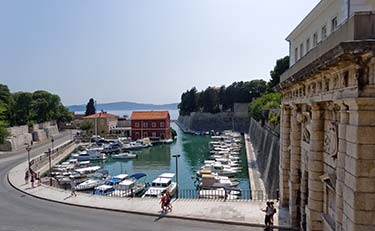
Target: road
21, 212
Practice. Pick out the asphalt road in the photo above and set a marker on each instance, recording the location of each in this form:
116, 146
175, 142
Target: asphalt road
19, 211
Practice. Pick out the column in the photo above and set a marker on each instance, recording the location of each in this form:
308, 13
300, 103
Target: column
295, 169
340, 164
315, 169
359, 182
284, 165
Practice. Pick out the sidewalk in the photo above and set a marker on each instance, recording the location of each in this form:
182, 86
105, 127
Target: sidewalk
230, 212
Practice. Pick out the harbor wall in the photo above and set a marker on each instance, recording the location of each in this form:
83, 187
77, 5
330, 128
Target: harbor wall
266, 147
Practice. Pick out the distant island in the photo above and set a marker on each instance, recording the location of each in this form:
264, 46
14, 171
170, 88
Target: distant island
118, 106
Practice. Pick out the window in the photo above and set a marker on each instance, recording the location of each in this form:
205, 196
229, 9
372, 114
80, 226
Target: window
153, 124
137, 134
162, 124
145, 134
136, 124
154, 134
333, 24
324, 32
145, 124
315, 39
296, 54
301, 50
307, 45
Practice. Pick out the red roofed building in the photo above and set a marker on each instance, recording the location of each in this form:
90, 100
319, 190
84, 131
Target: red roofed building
102, 122
152, 124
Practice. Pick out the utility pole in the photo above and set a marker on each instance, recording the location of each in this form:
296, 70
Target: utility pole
50, 167
176, 157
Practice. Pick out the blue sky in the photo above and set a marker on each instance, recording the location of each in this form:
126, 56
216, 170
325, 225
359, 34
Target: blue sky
142, 51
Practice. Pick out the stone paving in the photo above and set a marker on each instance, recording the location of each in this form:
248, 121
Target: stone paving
245, 212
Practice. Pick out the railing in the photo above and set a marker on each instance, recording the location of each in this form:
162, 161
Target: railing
224, 195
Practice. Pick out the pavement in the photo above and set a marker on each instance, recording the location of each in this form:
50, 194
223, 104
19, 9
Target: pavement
246, 213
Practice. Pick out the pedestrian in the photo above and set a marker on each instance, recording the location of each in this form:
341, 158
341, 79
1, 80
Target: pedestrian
163, 202
273, 212
168, 200
73, 187
32, 179
27, 177
267, 218
39, 179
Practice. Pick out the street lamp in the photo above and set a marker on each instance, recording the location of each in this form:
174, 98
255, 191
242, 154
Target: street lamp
176, 156
50, 167
52, 140
28, 149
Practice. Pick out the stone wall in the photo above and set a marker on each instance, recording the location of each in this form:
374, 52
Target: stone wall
18, 137
203, 122
22, 135
266, 147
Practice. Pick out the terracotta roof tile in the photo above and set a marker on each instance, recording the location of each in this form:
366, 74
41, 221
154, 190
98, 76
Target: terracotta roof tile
149, 115
100, 115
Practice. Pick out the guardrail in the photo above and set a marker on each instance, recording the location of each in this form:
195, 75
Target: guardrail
39, 162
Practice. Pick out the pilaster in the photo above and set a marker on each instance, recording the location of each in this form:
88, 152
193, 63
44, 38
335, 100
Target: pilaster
284, 166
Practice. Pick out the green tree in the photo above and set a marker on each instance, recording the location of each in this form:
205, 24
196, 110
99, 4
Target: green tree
211, 100
281, 66
3, 124
22, 109
264, 103
86, 125
90, 107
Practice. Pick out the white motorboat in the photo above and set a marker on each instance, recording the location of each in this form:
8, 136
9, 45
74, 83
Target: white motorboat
220, 193
97, 179
91, 154
112, 182
160, 184
209, 181
123, 156
87, 170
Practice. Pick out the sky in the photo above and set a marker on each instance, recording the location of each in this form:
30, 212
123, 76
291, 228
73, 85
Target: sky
141, 51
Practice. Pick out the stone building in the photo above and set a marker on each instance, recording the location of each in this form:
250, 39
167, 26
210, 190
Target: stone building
102, 123
327, 144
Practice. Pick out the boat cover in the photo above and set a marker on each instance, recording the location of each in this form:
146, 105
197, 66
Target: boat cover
138, 175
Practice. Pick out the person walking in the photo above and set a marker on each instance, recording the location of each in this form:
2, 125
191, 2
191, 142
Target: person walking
273, 212
73, 188
267, 218
32, 179
27, 177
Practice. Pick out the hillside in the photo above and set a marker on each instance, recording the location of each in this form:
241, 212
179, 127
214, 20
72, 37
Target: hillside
116, 106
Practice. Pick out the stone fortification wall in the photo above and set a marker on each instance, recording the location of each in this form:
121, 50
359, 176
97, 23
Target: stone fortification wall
266, 147
22, 135
45, 130
203, 122
18, 137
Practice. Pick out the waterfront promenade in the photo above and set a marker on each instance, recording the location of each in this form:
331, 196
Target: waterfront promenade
229, 212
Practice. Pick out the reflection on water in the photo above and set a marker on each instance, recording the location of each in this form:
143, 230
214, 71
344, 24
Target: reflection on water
158, 159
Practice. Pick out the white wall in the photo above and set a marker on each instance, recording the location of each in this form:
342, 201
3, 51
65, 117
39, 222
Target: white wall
321, 15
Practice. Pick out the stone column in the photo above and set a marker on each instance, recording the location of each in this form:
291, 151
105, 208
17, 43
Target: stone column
284, 166
295, 169
315, 167
340, 164
359, 183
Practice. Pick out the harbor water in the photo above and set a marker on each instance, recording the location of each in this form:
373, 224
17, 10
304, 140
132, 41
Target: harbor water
153, 161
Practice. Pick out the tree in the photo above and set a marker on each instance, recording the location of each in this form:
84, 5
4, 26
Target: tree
90, 107
281, 66
264, 103
3, 124
211, 100
22, 109
86, 125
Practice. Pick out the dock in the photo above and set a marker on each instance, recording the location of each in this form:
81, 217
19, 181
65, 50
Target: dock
257, 189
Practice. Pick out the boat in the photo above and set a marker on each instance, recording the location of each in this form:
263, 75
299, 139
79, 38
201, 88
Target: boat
210, 181
112, 182
160, 184
220, 193
89, 154
169, 141
96, 180
87, 170
124, 156
130, 186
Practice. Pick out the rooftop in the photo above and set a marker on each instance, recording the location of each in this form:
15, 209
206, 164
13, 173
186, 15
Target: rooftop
149, 115
100, 115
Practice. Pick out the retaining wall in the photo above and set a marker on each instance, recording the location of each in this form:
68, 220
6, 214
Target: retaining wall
266, 147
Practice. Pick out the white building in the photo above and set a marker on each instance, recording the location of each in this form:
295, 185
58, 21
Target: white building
321, 22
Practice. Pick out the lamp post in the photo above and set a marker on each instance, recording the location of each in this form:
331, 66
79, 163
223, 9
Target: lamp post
28, 149
176, 157
50, 167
